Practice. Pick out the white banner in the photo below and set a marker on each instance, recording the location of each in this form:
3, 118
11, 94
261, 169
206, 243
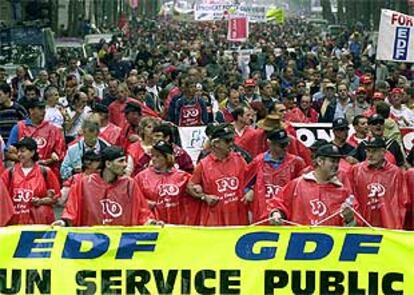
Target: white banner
192, 140
395, 38
309, 133
211, 12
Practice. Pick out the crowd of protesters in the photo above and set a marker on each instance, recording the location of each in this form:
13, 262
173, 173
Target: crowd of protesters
100, 139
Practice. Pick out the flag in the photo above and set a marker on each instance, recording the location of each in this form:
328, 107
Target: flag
395, 37
275, 14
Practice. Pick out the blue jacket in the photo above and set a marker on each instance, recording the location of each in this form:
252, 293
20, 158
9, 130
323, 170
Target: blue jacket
73, 158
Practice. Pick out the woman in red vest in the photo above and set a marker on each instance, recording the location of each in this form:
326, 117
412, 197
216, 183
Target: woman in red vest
33, 188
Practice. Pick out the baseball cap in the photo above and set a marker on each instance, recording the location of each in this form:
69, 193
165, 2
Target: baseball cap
250, 83
278, 136
397, 91
163, 147
375, 142
328, 150
330, 85
112, 153
361, 89
28, 143
100, 108
35, 103
132, 107
378, 96
222, 131
365, 79
374, 119
340, 123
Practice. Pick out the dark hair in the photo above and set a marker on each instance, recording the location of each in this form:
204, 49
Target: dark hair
234, 86
35, 157
165, 129
383, 109
31, 87
90, 156
263, 84
356, 119
85, 89
5, 88
239, 111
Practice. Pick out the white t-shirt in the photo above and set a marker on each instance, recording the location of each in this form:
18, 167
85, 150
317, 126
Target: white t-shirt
78, 123
26, 171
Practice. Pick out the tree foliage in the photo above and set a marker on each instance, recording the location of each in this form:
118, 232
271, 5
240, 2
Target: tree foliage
367, 12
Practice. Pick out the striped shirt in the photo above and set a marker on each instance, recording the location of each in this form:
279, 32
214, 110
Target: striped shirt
9, 116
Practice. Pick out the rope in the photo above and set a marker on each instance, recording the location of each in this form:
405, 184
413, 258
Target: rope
362, 218
327, 218
270, 218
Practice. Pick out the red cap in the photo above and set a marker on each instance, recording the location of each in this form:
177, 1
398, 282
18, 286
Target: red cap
361, 89
365, 80
397, 91
170, 69
378, 96
250, 83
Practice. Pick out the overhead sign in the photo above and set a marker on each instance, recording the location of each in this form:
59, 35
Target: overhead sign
396, 37
185, 260
211, 12
238, 29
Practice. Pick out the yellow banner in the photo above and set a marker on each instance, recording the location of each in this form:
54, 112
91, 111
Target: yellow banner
183, 260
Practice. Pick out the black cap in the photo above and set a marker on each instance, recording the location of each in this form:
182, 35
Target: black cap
340, 123
375, 142
375, 119
100, 108
112, 153
222, 131
317, 144
163, 147
209, 129
278, 136
328, 150
28, 143
132, 107
35, 103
